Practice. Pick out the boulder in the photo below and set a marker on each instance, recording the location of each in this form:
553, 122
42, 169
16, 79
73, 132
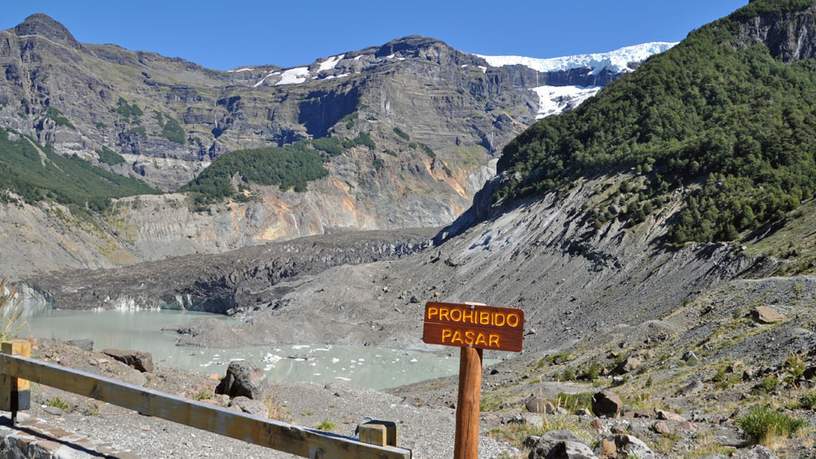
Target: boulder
570, 450
141, 361
249, 406
669, 416
757, 452
766, 315
241, 380
662, 427
632, 446
560, 444
84, 344
691, 358
539, 405
631, 363
606, 404
691, 388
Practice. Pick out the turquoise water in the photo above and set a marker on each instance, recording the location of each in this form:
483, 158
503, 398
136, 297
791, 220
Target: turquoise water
360, 366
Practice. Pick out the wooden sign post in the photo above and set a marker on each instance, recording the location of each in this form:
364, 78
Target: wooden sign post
472, 327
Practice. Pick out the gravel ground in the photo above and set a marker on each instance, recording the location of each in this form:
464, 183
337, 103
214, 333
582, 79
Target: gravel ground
428, 431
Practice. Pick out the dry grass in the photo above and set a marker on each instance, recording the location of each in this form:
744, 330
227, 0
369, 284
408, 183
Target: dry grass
276, 411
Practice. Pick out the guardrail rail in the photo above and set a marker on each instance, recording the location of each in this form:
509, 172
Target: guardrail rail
377, 439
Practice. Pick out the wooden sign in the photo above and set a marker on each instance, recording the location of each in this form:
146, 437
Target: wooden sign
476, 326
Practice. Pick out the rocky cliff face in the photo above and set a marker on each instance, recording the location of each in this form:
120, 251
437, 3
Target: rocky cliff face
790, 36
438, 118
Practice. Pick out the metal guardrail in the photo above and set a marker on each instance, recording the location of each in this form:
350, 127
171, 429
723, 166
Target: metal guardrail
377, 440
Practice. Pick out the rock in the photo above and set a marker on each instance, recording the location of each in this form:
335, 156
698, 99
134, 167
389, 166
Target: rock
54, 411
766, 315
135, 377
606, 404
757, 452
691, 358
413, 300
631, 363
583, 412
691, 388
141, 361
632, 446
597, 424
241, 380
560, 444
539, 405
569, 450
669, 416
249, 406
84, 344
662, 427
608, 448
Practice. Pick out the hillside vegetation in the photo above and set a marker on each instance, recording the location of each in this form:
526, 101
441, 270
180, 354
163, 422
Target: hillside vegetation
725, 120
36, 173
289, 167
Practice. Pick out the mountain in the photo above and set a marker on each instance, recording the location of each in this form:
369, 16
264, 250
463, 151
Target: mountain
392, 136
723, 122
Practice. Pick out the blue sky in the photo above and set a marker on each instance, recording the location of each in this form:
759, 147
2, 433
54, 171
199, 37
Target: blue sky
229, 34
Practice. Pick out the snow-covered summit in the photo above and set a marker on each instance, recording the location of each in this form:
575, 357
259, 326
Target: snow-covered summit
615, 61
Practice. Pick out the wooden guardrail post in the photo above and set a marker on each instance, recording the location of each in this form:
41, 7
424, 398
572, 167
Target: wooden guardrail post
15, 393
377, 432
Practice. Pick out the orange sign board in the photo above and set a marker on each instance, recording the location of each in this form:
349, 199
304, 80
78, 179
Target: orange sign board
477, 326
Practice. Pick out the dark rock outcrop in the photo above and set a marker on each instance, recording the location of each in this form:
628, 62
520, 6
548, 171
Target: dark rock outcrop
241, 380
142, 361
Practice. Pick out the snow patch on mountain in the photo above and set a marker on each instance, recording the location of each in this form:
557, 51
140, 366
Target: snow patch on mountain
615, 61
330, 63
553, 100
296, 75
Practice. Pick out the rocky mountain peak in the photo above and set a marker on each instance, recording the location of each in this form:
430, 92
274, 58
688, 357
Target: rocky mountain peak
45, 26
410, 45
788, 29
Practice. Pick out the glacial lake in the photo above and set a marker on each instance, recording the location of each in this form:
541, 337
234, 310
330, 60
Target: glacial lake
360, 366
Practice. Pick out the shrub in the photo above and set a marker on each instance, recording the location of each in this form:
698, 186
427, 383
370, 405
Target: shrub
766, 426
402, 134
329, 145
110, 157
58, 118
808, 401
794, 368
769, 383
362, 138
130, 112
170, 128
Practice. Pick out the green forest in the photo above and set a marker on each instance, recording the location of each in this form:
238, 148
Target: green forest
722, 118
36, 173
289, 167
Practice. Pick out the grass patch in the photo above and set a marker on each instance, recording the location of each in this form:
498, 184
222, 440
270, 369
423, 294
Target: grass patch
767, 426
130, 112
574, 402
56, 402
332, 146
326, 425
808, 401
